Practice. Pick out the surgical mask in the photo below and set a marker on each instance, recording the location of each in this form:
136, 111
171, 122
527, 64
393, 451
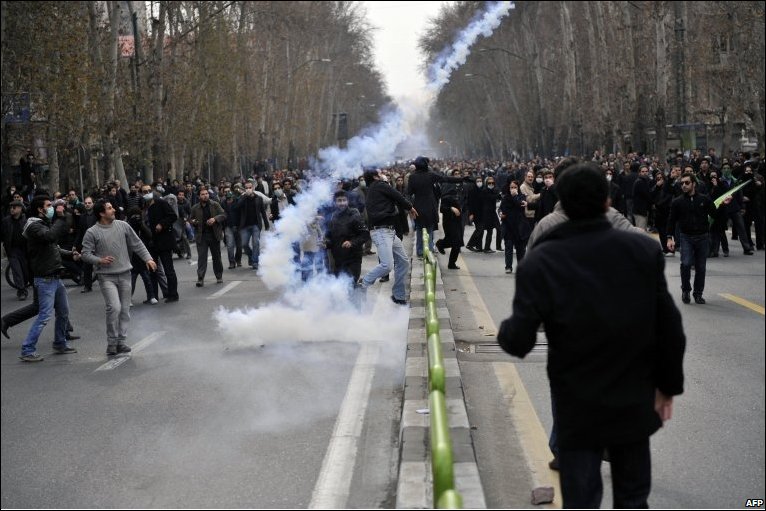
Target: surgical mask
479, 184
229, 195
148, 196
363, 184
49, 212
491, 187
608, 177
539, 179
279, 193
514, 191
160, 189
548, 182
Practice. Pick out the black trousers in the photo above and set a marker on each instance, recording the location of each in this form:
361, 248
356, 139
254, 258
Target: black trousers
166, 257
631, 467
203, 244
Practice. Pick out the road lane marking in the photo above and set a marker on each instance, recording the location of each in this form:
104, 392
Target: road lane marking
532, 436
484, 322
741, 301
229, 287
140, 345
334, 482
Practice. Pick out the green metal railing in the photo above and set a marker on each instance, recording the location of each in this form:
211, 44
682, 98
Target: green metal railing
445, 495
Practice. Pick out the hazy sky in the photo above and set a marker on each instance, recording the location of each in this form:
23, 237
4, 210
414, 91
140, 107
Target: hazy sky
400, 24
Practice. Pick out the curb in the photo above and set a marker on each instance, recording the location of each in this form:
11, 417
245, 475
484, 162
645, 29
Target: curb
414, 486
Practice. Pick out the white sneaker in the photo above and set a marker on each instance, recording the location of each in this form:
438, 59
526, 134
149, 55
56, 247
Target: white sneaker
154, 301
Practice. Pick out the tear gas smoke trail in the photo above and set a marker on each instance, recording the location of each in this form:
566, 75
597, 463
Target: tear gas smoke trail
482, 25
374, 146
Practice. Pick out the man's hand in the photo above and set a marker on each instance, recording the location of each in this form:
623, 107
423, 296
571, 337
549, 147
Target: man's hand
76, 255
151, 265
106, 260
470, 218
158, 228
413, 213
210, 221
663, 405
671, 245
346, 244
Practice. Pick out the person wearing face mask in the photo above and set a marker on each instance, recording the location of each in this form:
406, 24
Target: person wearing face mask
42, 237
475, 215
548, 196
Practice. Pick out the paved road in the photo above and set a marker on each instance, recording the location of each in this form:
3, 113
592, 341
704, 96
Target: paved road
710, 455
192, 419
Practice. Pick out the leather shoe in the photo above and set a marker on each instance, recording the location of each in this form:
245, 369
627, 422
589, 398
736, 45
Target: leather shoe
171, 299
698, 299
473, 249
554, 464
70, 337
685, 297
489, 251
4, 329
440, 248
398, 302
385, 278
748, 252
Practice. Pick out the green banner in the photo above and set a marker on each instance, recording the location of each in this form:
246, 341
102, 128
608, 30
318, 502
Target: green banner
728, 194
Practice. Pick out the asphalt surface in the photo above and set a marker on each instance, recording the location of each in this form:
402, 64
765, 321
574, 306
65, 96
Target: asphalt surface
192, 418
196, 419
709, 455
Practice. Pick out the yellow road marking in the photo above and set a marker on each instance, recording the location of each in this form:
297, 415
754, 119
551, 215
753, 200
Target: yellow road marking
532, 436
741, 301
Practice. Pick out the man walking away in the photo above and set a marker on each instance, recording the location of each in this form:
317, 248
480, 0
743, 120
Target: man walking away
613, 374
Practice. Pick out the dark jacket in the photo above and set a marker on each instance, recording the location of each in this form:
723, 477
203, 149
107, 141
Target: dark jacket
252, 211
605, 360
546, 203
420, 188
12, 230
160, 212
691, 213
346, 225
42, 246
452, 225
515, 222
642, 197
86, 221
382, 203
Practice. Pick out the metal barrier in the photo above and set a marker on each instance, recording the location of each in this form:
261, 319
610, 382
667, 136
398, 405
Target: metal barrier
444, 494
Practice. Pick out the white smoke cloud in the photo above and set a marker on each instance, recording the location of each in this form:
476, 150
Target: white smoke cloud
320, 309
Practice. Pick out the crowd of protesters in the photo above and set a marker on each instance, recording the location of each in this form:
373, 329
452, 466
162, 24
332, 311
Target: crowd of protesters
502, 200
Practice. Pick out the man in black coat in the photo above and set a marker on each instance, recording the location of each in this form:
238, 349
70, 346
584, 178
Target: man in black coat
421, 188
613, 374
345, 238
160, 219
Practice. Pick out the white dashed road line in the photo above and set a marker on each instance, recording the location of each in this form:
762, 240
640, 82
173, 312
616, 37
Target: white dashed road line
229, 287
140, 345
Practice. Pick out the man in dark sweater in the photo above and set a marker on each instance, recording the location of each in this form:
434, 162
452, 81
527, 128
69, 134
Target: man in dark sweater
613, 374
382, 203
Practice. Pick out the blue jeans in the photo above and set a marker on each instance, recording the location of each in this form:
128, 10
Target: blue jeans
52, 296
312, 264
694, 251
419, 239
252, 233
391, 254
